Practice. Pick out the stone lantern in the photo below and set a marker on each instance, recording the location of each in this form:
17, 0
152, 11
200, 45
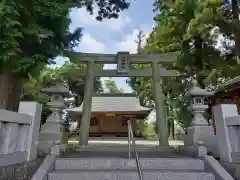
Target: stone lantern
57, 93
199, 127
51, 131
197, 104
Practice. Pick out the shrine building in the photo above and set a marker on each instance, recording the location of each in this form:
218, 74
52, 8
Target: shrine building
110, 113
227, 93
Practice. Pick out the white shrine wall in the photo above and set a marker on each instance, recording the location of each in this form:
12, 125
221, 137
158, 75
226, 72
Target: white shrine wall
228, 132
19, 133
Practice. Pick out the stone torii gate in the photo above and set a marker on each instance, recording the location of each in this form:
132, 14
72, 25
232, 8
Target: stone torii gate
124, 61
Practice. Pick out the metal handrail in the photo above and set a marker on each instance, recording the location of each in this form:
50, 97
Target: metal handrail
132, 139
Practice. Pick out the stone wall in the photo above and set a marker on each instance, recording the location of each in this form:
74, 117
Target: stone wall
22, 171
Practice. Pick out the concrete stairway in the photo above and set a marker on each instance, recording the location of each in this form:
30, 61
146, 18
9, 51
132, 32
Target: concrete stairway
111, 168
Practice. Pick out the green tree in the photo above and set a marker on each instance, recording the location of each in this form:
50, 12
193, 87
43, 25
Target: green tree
112, 87
185, 26
33, 33
69, 73
31, 88
227, 24
192, 27
65, 74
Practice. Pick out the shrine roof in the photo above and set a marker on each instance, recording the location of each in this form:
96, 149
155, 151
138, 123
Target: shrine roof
229, 85
113, 102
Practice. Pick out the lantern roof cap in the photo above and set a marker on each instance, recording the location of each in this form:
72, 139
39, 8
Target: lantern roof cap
58, 88
197, 91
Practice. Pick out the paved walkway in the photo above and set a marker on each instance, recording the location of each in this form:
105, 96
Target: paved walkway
118, 147
117, 140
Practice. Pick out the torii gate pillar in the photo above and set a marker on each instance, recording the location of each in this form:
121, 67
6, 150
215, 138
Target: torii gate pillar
161, 123
87, 105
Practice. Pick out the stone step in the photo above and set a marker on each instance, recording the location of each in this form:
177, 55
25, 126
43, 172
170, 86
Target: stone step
124, 163
129, 175
124, 148
123, 154
117, 149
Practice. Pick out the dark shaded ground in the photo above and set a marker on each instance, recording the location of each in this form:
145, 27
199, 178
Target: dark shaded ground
23, 171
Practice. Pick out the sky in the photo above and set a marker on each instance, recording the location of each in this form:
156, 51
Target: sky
111, 36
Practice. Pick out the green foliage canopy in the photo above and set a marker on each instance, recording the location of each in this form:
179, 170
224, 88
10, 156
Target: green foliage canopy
192, 27
33, 33
112, 87
66, 74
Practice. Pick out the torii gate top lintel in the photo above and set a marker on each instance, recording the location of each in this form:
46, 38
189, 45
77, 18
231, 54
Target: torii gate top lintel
143, 58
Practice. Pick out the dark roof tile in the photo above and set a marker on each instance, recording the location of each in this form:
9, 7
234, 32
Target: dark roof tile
113, 103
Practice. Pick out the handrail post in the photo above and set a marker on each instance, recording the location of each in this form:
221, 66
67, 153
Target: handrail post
129, 140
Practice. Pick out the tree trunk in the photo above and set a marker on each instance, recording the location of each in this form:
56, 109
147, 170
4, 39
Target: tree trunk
235, 12
10, 91
198, 44
78, 100
171, 130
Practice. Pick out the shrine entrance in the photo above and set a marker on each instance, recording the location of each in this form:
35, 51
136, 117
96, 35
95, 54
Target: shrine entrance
124, 60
